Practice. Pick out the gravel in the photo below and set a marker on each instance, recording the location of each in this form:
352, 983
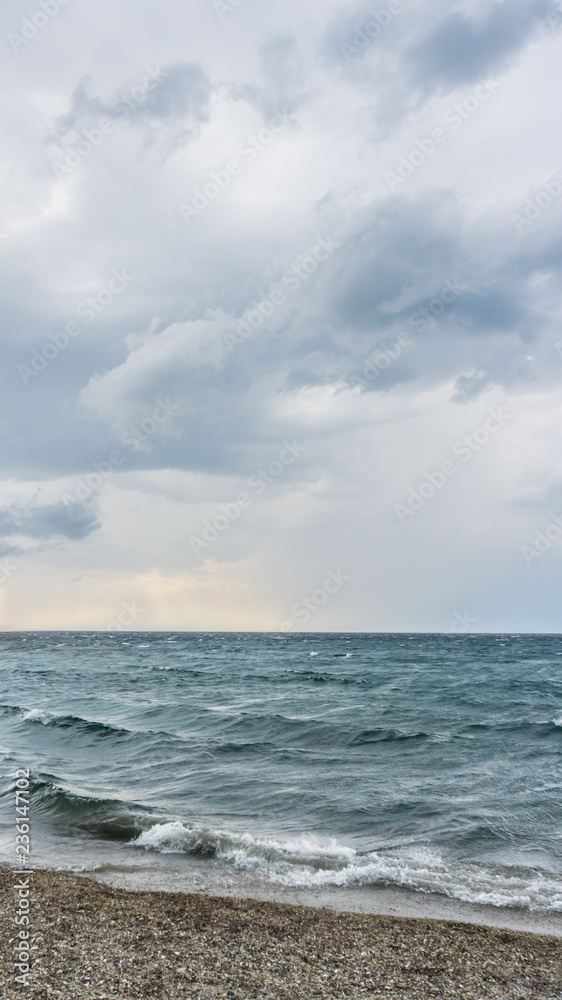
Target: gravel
97, 942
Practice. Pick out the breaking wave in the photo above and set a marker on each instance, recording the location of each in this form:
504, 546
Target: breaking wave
74, 813
308, 862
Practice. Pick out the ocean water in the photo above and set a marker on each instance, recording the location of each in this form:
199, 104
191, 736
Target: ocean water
265, 762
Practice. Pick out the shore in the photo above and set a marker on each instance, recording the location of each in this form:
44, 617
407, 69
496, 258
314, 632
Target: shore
94, 941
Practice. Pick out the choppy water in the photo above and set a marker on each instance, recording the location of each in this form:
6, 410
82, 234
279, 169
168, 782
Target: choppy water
425, 761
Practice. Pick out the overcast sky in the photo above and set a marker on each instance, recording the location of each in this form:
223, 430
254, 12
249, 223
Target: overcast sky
281, 315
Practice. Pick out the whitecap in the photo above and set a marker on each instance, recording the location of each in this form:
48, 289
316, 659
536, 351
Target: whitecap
307, 861
37, 715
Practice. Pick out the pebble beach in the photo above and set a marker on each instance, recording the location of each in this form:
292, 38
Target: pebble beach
93, 942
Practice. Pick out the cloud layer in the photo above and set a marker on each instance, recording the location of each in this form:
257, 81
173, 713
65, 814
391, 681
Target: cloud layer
230, 230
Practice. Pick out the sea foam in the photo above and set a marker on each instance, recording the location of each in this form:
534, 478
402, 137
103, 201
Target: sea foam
309, 862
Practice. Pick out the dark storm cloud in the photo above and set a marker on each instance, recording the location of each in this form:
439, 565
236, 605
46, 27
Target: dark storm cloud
345, 41
406, 53
56, 520
461, 48
397, 243
395, 257
414, 265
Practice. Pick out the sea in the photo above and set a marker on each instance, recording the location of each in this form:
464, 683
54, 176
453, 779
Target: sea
395, 773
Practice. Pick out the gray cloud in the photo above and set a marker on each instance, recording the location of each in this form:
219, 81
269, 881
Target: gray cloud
461, 48
424, 50
168, 104
450, 221
282, 81
56, 520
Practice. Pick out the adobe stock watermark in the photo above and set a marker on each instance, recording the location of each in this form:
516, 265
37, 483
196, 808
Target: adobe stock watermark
127, 616
554, 20
306, 607
366, 33
135, 438
88, 310
461, 623
93, 138
532, 210
380, 359
31, 26
258, 483
25, 939
377, 361
454, 117
424, 315
224, 7
465, 449
544, 540
222, 179
7, 570
75, 156
278, 292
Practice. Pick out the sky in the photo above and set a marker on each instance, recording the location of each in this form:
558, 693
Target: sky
281, 302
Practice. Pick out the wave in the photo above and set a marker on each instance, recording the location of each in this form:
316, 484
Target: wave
319, 677
307, 862
85, 727
77, 724
258, 732
60, 721
37, 715
367, 736
73, 812
11, 709
245, 732
175, 837
541, 729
